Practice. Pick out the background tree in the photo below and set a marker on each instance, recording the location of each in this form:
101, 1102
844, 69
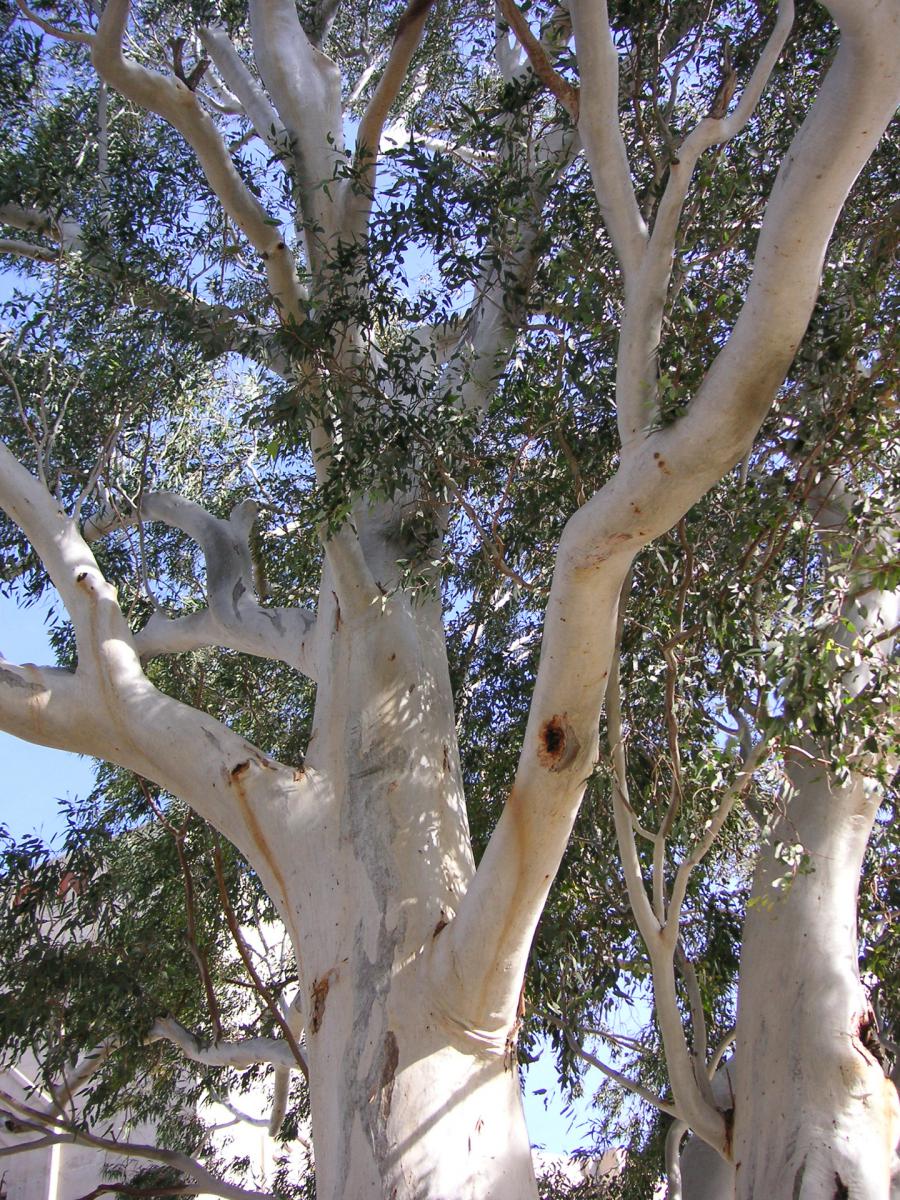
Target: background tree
519, 424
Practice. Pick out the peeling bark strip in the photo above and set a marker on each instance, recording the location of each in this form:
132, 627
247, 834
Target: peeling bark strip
391, 1057
558, 746
319, 995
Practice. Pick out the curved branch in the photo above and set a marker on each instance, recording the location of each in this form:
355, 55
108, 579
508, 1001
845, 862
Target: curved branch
249, 1052
28, 250
108, 708
407, 39
65, 35
631, 1085
237, 78
566, 94
646, 297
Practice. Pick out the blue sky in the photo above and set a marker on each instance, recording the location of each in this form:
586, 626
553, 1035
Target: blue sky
33, 778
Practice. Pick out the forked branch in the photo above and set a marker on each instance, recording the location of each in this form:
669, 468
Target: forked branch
234, 618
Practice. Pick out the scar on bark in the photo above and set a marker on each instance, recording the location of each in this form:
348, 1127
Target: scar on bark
319, 995
841, 1191
443, 922
728, 1118
557, 744
391, 1057
867, 1036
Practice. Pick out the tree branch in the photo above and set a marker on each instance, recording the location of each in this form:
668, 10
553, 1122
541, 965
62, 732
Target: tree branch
566, 94
636, 382
175, 102
261, 989
487, 335
484, 950
601, 132
60, 1132
407, 38
28, 250
109, 709
249, 1052
65, 35
305, 86
237, 78
631, 1085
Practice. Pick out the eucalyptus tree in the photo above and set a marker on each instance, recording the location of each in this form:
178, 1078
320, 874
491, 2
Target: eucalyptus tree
204, 181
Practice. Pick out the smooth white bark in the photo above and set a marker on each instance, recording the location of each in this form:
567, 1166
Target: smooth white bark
410, 963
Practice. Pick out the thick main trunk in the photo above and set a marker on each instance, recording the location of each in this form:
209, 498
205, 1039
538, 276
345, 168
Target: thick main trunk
815, 1116
406, 1100
405, 1106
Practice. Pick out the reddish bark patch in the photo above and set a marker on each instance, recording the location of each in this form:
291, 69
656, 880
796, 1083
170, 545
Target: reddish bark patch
240, 769
442, 924
319, 996
557, 744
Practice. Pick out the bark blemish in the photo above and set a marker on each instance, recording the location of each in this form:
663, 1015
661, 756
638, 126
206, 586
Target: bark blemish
841, 1191
446, 759
557, 744
390, 1059
867, 1037
442, 924
319, 995
240, 769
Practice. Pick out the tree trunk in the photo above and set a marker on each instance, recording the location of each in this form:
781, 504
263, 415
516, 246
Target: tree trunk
815, 1115
408, 1099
